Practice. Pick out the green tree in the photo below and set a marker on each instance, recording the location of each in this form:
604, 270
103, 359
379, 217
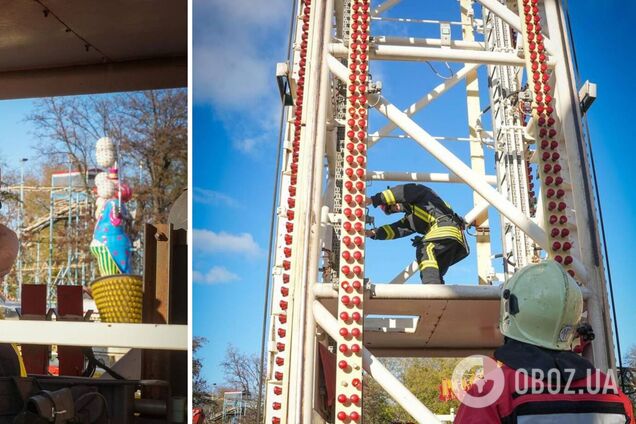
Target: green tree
422, 376
378, 407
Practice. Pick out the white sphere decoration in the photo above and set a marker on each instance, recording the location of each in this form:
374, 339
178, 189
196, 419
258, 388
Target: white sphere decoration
100, 178
105, 186
105, 152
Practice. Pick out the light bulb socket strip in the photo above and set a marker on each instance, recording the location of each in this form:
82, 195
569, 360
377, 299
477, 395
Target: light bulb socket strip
551, 169
352, 241
282, 290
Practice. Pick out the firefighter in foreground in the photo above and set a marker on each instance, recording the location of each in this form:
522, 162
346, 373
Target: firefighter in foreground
442, 243
540, 319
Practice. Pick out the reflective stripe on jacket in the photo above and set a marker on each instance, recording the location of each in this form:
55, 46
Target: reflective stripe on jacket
426, 213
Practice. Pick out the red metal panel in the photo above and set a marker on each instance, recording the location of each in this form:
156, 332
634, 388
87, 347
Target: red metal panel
36, 357
70, 307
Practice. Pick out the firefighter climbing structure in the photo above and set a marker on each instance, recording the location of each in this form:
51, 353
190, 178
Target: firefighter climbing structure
329, 326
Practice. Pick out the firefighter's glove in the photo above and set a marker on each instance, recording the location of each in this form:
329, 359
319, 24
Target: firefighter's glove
416, 241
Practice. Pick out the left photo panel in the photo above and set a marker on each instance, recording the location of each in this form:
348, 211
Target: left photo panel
94, 211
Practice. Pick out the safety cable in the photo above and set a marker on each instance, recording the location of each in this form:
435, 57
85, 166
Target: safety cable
598, 199
268, 274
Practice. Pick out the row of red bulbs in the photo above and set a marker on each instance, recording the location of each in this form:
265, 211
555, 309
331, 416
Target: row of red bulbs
291, 202
541, 76
535, 65
355, 186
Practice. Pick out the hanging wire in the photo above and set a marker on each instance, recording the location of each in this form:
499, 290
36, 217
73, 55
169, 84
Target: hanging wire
46, 11
598, 200
268, 274
452, 73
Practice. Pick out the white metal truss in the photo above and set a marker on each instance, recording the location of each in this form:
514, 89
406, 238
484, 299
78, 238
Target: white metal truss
513, 166
322, 215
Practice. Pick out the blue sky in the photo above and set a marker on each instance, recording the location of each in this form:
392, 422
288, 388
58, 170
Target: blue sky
16, 138
236, 114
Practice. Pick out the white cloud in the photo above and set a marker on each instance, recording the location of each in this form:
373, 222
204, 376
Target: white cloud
210, 242
231, 76
251, 145
236, 46
216, 275
214, 198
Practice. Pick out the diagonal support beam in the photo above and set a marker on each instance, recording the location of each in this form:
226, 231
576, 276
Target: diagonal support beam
470, 177
452, 162
384, 6
380, 374
425, 101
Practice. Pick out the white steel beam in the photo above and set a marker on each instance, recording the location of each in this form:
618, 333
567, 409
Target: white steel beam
424, 101
426, 291
569, 112
420, 291
384, 6
427, 42
97, 334
476, 211
511, 18
380, 374
423, 177
308, 358
477, 161
388, 52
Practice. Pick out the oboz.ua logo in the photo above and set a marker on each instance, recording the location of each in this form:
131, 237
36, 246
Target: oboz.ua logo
487, 377
488, 382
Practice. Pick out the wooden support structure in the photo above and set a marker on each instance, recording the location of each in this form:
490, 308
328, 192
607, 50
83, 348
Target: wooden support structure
165, 302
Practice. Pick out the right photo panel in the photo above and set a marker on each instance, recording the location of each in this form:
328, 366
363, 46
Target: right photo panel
402, 212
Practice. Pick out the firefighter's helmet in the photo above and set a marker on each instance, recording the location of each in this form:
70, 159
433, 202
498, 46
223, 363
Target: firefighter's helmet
541, 305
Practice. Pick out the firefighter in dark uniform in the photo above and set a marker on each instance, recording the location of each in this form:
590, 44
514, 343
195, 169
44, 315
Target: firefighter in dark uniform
442, 243
540, 377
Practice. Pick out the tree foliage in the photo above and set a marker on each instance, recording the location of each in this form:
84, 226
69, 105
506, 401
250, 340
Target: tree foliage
422, 376
243, 373
200, 388
150, 129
